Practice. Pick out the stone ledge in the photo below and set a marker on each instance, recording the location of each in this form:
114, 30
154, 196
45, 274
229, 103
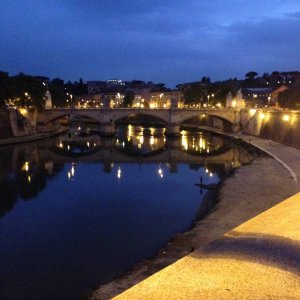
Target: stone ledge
259, 259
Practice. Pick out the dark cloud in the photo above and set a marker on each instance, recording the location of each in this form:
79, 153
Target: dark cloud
170, 41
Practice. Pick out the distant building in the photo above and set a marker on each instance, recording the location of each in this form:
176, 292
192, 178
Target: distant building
115, 82
96, 87
257, 96
164, 99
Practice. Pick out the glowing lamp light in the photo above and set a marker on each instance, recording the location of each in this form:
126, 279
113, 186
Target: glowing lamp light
262, 116
233, 103
252, 112
286, 118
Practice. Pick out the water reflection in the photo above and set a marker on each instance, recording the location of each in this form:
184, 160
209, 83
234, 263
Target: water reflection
25, 169
95, 196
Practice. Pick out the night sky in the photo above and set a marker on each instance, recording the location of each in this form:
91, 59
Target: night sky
158, 40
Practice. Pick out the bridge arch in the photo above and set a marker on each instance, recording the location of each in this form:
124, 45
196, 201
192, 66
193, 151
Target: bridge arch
210, 120
146, 117
52, 117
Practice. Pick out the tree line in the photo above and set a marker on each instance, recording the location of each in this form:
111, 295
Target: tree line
24, 90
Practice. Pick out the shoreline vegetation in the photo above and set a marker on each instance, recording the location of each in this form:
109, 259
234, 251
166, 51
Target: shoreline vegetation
265, 183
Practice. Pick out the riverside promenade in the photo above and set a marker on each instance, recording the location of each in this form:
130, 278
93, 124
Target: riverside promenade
259, 259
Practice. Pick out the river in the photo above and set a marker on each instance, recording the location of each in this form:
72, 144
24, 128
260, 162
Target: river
79, 210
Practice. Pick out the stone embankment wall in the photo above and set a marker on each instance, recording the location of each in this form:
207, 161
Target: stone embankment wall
280, 126
5, 127
13, 124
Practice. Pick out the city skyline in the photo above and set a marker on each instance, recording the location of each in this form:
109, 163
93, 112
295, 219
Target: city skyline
159, 41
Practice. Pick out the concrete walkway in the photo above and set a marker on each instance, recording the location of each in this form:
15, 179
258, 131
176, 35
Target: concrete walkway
289, 157
259, 259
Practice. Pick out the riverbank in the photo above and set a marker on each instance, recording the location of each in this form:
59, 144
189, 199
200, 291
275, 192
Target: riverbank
30, 138
264, 183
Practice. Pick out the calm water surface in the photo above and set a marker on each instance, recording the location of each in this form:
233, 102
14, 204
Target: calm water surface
77, 210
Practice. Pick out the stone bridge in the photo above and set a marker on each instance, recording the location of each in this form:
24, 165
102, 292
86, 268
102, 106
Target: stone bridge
173, 118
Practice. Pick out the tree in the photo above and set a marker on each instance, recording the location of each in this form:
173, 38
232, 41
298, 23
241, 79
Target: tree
5, 90
27, 91
251, 75
290, 98
57, 90
128, 99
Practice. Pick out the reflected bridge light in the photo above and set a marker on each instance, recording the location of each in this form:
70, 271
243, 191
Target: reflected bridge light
160, 172
25, 167
141, 139
119, 173
130, 130
151, 140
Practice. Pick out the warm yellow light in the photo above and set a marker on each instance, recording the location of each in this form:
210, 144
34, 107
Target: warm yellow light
218, 104
286, 118
151, 140
252, 112
23, 111
25, 166
233, 103
130, 130
184, 140
142, 139
262, 116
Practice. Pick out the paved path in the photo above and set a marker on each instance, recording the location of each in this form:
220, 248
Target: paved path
259, 259
289, 157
